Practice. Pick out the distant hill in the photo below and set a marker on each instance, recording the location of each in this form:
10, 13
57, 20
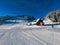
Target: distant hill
11, 18
27, 17
54, 16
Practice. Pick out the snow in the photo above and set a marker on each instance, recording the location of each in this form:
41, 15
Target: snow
21, 34
48, 21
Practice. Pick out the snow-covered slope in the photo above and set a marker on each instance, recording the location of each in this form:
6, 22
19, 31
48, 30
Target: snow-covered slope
48, 21
21, 34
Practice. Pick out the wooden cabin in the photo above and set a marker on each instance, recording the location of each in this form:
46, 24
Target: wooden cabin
39, 22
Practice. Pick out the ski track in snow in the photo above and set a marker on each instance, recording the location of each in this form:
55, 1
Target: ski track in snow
20, 34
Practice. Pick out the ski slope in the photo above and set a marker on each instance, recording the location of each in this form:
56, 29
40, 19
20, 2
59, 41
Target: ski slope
21, 34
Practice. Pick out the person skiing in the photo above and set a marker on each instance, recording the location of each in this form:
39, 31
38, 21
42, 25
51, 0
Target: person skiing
52, 26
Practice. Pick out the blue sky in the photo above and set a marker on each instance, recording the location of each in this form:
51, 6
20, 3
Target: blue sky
37, 8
